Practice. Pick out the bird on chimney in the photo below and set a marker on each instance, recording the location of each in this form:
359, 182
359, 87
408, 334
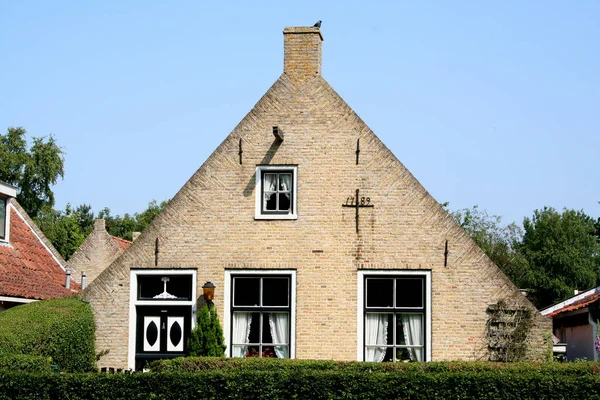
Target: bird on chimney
318, 24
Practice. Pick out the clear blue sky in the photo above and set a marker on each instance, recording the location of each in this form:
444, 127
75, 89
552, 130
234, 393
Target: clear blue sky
489, 104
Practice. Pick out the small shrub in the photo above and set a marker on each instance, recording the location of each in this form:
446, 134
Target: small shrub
206, 339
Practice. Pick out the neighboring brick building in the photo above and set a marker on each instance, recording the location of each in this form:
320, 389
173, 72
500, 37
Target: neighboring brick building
30, 268
301, 272
97, 252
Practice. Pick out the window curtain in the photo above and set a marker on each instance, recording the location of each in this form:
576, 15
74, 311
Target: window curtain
413, 333
375, 334
241, 332
269, 186
270, 182
278, 323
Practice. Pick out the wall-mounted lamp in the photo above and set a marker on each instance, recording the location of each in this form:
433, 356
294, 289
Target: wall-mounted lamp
208, 291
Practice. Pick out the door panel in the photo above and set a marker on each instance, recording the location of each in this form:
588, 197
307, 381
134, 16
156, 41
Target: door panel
151, 333
175, 334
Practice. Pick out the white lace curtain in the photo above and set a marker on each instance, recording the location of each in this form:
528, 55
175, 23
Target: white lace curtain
270, 182
278, 322
241, 332
376, 334
412, 324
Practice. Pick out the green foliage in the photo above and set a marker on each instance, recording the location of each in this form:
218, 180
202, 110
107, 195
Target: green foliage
34, 171
500, 242
124, 226
555, 254
563, 252
25, 363
67, 229
62, 329
311, 380
206, 339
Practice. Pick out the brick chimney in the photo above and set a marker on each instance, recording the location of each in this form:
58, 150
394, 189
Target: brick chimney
302, 52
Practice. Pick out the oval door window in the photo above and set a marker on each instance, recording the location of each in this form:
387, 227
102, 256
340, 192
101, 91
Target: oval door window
175, 329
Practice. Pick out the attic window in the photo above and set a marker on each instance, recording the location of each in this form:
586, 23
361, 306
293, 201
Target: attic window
276, 195
3, 218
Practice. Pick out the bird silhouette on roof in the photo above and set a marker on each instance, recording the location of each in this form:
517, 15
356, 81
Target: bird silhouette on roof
318, 24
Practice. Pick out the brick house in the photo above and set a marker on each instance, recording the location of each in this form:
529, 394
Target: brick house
321, 244
30, 267
97, 252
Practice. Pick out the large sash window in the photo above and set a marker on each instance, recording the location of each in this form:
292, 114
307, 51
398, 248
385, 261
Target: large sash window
260, 322
395, 317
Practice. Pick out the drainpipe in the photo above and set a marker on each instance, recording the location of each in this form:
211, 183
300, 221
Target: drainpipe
68, 278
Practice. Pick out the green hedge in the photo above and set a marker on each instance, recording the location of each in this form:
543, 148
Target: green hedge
25, 363
317, 380
62, 329
195, 364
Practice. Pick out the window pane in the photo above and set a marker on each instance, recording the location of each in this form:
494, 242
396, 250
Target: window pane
246, 291
153, 287
276, 292
270, 182
255, 328
409, 329
284, 202
278, 328
266, 330
270, 201
409, 292
379, 328
380, 292
2, 218
285, 182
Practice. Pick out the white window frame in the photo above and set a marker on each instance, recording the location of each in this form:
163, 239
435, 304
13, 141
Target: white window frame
133, 302
260, 169
259, 272
360, 321
6, 222
7, 192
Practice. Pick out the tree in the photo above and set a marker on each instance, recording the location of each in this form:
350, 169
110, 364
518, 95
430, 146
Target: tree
500, 242
66, 229
124, 227
206, 339
563, 252
34, 171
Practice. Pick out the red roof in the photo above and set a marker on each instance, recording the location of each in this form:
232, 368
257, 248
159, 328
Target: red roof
581, 303
27, 268
122, 243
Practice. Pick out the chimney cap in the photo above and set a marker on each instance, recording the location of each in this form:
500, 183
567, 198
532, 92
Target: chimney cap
302, 29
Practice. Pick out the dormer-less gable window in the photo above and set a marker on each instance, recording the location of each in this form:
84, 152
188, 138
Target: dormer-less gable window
6, 192
276, 192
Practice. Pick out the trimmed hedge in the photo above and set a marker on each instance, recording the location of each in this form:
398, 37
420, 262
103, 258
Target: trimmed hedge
25, 363
62, 329
196, 364
325, 381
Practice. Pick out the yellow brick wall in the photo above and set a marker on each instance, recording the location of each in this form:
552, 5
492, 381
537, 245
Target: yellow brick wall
210, 225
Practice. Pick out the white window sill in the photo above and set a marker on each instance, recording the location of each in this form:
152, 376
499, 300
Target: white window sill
275, 216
